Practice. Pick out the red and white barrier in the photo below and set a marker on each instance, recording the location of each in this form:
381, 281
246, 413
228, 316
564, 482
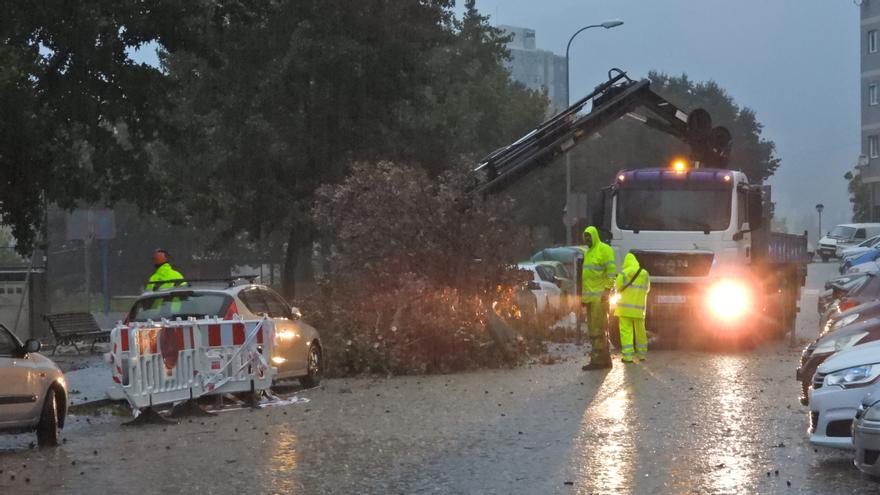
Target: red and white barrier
169, 361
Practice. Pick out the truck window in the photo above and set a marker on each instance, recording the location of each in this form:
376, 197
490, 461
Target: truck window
673, 209
742, 208
860, 234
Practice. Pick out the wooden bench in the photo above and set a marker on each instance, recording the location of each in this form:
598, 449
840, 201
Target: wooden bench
69, 328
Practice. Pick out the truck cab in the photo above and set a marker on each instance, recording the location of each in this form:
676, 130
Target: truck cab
699, 232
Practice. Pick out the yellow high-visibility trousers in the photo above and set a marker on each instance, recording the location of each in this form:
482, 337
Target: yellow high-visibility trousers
628, 326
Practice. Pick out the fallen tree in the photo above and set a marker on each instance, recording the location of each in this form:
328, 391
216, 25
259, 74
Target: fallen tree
418, 272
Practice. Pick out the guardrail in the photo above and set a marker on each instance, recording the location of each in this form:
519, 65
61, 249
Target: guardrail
169, 361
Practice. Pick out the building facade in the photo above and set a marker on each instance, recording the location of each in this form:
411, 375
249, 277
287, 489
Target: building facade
869, 162
540, 70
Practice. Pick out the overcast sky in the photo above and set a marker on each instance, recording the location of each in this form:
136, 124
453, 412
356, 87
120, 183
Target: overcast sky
795, 62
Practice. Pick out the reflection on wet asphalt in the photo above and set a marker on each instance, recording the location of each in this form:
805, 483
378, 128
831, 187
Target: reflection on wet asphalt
683, 422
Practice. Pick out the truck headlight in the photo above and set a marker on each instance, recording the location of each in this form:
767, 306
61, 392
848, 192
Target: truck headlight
728, 299
614, 299
857, 376
834, 345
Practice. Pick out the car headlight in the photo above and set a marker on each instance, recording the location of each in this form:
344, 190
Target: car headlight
873, 413
729, 299
834, 345
846, 320
856, 376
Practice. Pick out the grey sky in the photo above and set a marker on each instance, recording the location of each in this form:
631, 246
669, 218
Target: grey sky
795, 62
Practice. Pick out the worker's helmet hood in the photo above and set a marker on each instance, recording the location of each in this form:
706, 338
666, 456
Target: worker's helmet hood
630, 265
592, 233
160, 257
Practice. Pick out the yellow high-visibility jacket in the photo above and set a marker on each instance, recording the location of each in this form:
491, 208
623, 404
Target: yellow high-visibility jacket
599, 268
634, 298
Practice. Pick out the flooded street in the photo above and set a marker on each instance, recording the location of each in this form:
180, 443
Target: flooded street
683, 422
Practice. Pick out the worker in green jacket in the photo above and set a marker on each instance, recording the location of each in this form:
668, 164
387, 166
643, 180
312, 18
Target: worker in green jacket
633, 284
599, 272
164, 272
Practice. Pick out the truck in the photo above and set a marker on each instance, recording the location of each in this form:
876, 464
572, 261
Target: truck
699, 225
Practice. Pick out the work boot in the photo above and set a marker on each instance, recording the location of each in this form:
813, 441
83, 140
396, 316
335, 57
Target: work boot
596, 366
626, 361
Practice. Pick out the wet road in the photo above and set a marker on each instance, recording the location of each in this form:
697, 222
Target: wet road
684, 422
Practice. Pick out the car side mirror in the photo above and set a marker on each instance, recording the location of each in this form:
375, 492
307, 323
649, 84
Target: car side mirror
296, 313
32, 346
557, 281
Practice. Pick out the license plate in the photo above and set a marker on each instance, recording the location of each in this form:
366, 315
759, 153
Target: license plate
671, 299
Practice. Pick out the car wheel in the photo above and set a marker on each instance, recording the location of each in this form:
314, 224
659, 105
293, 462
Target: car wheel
315, 368
48, 430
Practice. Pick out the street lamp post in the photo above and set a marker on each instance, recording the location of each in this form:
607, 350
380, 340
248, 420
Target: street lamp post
568, 206
819, 208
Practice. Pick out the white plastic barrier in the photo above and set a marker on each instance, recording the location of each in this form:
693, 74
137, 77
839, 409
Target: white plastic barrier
169, 361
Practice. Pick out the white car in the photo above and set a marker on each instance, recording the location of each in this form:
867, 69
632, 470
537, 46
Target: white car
33, 393
864, 247
298, 347
839, 386
544, 285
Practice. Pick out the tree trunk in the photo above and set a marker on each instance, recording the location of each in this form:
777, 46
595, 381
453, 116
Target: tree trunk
291, 259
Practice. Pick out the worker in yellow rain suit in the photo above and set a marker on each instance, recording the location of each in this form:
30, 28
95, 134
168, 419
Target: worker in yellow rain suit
598, 272
164, 273
633, 284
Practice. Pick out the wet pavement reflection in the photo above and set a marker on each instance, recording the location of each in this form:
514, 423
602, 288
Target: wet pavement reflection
684, 422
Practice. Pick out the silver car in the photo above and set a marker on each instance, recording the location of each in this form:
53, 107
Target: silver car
866, 436
33, 393
298, 349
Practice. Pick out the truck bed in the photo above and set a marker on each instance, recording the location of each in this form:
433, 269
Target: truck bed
786, 248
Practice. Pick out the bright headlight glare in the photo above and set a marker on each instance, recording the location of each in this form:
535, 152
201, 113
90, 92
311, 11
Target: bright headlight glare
852, 377
873, 413
728, 299
614, 299
846, 320
836, 344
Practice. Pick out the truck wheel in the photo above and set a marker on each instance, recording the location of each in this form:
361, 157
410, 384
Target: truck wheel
825, 258
48, 430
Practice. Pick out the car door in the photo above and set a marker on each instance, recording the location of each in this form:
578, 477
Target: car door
291, 341
18, 394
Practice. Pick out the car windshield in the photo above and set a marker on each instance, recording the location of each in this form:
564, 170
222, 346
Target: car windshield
841, 232
671, 209
180, 304
870, 242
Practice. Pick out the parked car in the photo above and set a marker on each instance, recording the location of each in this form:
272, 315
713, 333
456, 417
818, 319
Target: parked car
544, 286
562, 278
867, 290
866, 435
33, 393
839, 385
844, 236
869, 256
299, 352
859, 249
827, 344
837, 288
